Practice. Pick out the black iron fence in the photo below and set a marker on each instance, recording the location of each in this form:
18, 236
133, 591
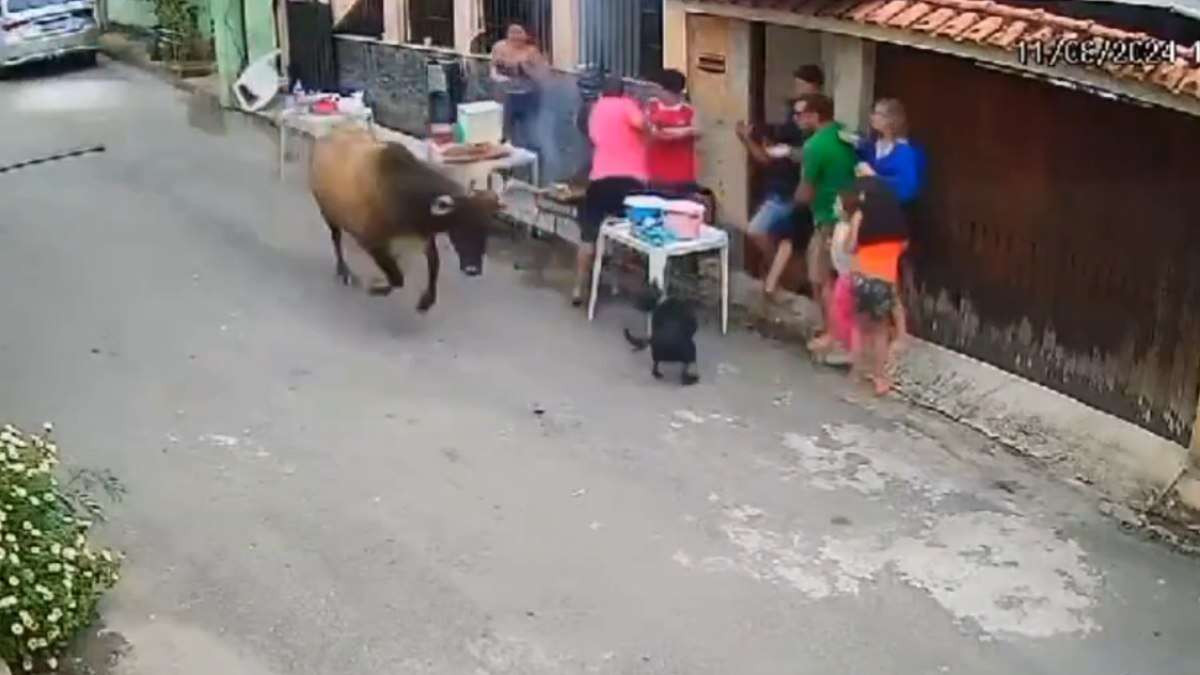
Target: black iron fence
431, 21
621, 36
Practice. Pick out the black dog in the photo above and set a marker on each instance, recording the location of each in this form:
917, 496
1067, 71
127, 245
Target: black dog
672, 333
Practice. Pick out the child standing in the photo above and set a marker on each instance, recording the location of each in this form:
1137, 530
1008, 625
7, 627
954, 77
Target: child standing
671, 153
843, 328
880, 235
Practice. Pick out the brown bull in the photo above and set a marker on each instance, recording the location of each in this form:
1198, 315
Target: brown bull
384, 196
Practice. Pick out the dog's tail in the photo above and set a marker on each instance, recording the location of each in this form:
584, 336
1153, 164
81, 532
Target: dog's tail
638, 343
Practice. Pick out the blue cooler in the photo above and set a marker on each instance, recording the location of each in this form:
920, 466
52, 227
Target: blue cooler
641, 208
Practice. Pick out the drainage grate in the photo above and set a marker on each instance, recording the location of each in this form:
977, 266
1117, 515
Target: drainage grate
51, 158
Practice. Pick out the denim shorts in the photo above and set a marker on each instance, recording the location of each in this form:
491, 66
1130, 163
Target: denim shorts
774, 217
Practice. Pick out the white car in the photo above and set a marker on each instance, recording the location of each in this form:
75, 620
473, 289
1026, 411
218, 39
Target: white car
36, 30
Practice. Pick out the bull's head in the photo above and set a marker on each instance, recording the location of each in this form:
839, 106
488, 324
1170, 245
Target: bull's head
470, 218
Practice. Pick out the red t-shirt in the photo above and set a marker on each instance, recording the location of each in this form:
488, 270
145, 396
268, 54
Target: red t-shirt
671, 161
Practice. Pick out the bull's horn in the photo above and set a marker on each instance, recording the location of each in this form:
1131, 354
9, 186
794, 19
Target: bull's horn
441, 206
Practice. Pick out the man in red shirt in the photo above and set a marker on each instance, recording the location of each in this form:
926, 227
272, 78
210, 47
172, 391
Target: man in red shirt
671, 154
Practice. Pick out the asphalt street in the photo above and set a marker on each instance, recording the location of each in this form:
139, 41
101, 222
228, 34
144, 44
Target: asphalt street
325, 482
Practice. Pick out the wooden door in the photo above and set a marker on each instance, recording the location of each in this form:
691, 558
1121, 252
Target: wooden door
719, 67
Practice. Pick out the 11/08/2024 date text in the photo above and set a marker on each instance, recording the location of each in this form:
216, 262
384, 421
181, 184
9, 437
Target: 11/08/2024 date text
1098, 51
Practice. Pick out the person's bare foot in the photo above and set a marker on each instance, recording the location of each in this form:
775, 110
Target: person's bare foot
883, 385
821, 343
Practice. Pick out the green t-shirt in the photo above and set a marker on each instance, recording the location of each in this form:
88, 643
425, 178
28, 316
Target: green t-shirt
829, 167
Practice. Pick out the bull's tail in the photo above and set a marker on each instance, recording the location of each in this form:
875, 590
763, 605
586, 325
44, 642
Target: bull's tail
638, 343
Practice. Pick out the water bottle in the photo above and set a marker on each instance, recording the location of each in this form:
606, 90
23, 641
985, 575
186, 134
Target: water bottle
297, 95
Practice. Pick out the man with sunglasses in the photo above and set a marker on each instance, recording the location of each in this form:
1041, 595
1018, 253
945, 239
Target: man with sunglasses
777, 150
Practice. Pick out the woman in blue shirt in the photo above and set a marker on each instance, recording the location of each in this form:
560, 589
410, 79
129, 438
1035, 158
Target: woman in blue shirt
889, 155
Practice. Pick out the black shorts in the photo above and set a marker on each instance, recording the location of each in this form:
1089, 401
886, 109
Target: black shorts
604, 198
675, 190
802, 226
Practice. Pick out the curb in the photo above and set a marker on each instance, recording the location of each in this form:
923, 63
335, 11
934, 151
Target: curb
116, 46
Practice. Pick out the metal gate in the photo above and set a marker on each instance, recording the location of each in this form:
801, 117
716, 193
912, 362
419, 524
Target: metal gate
1056, 238
431, 20
533, 15
621, 36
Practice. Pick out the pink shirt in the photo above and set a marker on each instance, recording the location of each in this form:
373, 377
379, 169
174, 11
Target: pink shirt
615, 127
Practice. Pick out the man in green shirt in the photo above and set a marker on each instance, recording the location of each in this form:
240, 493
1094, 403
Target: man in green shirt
827, 169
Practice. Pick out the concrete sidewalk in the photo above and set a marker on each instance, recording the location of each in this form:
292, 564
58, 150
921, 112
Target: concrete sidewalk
1146, 480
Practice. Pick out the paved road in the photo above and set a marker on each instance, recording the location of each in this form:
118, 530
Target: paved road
322, 482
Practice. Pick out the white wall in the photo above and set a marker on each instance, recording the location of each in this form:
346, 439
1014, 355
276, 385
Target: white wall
850, 77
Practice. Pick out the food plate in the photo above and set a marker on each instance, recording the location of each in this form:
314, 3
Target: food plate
463, 154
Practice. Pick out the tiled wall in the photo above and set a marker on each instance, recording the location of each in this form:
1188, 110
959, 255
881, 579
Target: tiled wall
393, 78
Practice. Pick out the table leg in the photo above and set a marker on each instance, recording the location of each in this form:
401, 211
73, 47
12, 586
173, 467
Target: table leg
724, 289
657, 268
597, 263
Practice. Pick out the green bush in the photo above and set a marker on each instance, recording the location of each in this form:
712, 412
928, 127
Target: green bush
50, 579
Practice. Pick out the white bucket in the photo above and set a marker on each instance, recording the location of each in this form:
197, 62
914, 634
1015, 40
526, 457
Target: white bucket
685, 218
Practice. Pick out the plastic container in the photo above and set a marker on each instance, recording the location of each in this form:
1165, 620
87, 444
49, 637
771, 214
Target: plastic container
441, 134
640, 208
482, 122
684, 218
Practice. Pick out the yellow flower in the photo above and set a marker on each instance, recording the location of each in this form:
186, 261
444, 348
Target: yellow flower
13, 581
18, 629
69, 553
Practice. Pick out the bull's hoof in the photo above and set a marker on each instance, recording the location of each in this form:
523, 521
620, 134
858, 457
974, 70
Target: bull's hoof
425, 303
380, 289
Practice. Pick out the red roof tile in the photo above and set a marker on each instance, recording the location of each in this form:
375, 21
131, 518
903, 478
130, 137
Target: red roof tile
997, 25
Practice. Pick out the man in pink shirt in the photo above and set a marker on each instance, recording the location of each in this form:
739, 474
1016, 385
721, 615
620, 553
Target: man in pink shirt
617, 130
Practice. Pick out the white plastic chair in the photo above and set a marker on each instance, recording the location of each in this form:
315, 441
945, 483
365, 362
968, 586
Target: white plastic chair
259, 81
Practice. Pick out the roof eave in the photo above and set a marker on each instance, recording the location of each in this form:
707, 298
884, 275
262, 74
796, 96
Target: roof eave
1092, 80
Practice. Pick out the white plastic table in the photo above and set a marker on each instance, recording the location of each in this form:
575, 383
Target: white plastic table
621, 232
474, 174
315, 125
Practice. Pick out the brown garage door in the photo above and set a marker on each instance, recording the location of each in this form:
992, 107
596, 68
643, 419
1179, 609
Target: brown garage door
1058, 238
